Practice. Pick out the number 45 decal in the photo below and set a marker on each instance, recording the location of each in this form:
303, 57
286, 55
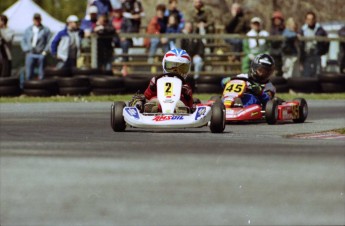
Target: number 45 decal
236, 88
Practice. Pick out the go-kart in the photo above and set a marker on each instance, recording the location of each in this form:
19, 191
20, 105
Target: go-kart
169, 88
275, 110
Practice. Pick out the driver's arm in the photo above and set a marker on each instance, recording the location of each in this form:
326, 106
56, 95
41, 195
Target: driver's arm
151, 90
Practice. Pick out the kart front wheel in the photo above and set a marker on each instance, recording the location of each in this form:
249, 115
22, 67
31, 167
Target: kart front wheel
118, 123
271, 112
303, 110
217, 124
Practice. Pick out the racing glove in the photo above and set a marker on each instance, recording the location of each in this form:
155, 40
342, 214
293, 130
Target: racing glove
138, 101
186, 92
256, 89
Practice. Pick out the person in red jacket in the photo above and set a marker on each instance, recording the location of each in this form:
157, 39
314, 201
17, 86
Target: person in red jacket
175, 61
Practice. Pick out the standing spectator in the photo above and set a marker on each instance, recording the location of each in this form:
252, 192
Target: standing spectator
202, 17
132, 14
195, 47
172, 28
35, 44
341, 33
278, 26
6, 39
172, 10
88, 24
290, 50
105, 32
116, 21
157, 25
254, 46
66, 44
311, 51
237, 24
104, 7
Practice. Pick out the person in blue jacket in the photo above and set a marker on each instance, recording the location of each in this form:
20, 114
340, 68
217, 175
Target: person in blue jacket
35, 44
66, 44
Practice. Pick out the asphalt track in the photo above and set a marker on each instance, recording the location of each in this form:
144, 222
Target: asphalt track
61, 164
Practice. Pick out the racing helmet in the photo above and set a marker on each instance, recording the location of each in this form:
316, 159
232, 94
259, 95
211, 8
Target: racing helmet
262, 67
178, 61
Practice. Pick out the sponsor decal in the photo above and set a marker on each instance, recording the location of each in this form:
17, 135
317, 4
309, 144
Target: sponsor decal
201, 111
253, 114
160, 118
168, 101
133, 112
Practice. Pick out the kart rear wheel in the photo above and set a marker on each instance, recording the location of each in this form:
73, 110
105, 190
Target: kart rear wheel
116, 116
303, 110
271, 112
217, 124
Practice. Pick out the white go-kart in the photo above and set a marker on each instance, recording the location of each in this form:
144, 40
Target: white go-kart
168, 94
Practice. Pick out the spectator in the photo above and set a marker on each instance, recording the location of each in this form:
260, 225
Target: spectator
104, 7
195, 47
202, 17
290, 50
172, 28
6, 39
35, 44
66, 44
311, 51
278, 26
237, 24
105, 32
132, 14
341, 33
117, 23
88, 24
172, 10
254, 46
157, 25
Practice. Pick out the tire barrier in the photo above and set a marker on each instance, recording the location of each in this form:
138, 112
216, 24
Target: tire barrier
9, 87
44, 88
77, 85
58, 83
208, 84
107, 85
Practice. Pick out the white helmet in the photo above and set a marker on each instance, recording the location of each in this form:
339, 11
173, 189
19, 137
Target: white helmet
178, 61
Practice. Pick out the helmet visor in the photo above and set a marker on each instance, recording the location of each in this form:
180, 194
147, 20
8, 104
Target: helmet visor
180, 68
263, 73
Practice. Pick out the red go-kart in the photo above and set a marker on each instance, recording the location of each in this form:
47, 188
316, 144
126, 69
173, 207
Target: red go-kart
276, 109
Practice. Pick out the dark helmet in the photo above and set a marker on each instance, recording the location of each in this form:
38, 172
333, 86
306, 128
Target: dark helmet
262, 67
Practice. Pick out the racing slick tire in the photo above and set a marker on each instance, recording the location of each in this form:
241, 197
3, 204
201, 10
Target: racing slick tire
117, 120
271, 112
217, 123
303, 110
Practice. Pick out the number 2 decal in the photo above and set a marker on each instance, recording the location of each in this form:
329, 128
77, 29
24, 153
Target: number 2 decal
168, 89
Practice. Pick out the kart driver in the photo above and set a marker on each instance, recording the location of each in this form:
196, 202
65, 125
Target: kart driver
175, 61
259, 88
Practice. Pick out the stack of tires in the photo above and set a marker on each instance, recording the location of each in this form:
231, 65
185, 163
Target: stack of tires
135, 83
332, 82
208, 84
304, 85
9, 86
41, 88
107, 85
281, 84
73, 86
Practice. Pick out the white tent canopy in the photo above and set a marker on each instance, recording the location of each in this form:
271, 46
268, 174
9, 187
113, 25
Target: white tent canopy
20, 16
